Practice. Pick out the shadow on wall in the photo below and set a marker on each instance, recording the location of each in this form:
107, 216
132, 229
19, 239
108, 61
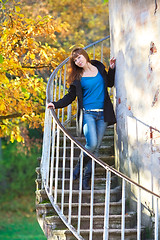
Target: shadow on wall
121, 112
137, 147
147, 214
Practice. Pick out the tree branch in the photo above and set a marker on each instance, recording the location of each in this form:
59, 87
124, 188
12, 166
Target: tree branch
37, 67
16, 115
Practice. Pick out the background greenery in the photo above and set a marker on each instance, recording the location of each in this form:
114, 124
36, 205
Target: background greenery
18, 219
17, 188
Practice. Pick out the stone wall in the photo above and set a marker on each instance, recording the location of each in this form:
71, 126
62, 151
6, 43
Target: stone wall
135, 42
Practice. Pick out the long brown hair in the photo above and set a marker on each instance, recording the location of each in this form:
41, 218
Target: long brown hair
76, 72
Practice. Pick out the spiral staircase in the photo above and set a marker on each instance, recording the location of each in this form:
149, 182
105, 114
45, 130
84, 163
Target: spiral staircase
64, 210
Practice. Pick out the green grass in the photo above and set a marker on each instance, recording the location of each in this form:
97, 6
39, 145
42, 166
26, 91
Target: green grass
18, 220
24, 228
17, 197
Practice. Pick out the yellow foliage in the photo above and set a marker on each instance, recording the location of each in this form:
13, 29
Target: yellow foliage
87, 19
32, 56
2, 106
18, 9
22, 94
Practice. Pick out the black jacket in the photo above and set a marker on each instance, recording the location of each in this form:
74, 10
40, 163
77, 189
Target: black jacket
75, 90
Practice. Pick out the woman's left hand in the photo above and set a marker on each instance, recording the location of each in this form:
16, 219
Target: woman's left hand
112, 63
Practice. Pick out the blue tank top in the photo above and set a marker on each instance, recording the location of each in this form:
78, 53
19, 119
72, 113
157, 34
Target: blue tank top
93, 89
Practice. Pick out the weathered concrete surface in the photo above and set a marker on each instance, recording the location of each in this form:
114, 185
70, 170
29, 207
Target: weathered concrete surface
135, 42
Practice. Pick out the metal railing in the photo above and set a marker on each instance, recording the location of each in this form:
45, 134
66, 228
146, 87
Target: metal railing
58, 182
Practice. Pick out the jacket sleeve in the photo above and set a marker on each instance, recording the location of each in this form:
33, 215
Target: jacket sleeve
67, 99
110, 77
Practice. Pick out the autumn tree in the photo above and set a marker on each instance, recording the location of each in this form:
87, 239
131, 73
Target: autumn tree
88, 19
22, 95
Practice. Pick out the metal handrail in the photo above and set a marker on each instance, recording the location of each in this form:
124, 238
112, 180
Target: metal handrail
50, 163
149, 126
97, 160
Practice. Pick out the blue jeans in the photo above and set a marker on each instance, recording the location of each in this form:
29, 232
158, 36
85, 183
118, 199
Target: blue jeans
93, 128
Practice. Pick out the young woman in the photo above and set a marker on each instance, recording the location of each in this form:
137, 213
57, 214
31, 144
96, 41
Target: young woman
88, 82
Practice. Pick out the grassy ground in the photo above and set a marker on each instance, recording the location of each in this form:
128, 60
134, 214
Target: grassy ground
18, 220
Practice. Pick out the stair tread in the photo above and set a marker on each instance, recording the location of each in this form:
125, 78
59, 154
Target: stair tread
68, 179
94, 217
42, 191
96, 168
105, 137
114, 230
77, 158
83, 204
76, 147
96, 191
111, 127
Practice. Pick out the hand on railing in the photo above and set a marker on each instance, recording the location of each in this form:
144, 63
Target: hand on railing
50, 105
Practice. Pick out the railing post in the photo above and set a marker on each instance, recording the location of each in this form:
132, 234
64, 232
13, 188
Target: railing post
151, 160
139, 215
57, 164
123, 211
64, 88
52, 156
59, 93
55, 88
107, 203
45, 161
44, 168
156, 220
71, 183
80, 192
69, 113
63, 172
92, 200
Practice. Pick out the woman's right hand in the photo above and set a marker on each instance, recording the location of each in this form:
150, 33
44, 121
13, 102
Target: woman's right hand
112, 63
50, 105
